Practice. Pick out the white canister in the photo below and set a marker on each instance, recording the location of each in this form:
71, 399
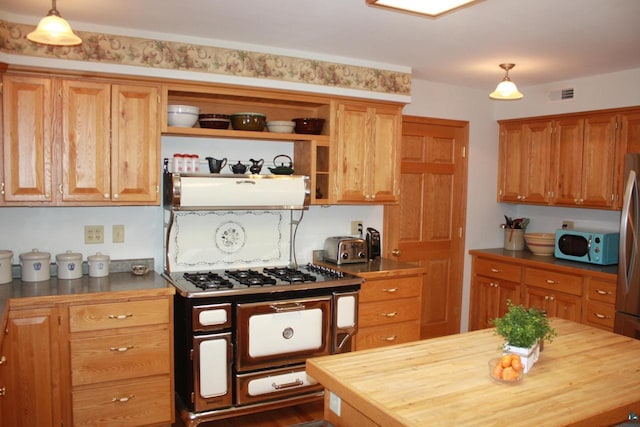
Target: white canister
35, 266
6, 266
69, 265
98, 265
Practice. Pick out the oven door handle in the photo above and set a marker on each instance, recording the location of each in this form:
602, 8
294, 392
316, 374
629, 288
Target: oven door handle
289, 306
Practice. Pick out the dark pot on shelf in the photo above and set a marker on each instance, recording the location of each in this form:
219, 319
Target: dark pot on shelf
215, 165
256, 166
238, 168
282, 169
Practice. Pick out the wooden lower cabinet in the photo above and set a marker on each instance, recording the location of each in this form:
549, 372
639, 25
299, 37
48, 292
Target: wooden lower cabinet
565, 292
91, 361
389, 311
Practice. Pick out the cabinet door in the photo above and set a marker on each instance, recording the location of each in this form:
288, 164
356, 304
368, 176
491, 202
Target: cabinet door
568, 161
536, 168
511, 163
86, 156
27, 107
383, 177
32, 380
490, 300
353, 132
598, 160
135, 144
555, 304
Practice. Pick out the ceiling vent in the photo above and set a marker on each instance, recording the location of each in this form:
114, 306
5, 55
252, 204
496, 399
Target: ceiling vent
561, 95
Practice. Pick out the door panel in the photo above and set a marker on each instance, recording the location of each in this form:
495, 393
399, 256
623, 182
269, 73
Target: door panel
426, 227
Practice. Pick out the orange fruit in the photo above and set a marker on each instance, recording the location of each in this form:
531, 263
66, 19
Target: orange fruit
516, 363
509, 374
505, 360
497, 371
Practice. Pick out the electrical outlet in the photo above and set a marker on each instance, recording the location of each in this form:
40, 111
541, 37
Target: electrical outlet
93, 234
567, 225
118, 233
356, 227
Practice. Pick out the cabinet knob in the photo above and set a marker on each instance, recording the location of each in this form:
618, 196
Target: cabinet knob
116, 196
3, 360
395, 252
105, 195
3, 391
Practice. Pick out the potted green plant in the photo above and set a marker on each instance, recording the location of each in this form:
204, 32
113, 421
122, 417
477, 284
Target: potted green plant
524, 329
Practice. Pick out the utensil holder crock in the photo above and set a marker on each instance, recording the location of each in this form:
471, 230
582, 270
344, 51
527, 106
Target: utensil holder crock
514, 239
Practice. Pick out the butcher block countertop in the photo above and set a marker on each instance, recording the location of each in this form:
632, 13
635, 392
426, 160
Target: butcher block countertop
376, 269
585, 377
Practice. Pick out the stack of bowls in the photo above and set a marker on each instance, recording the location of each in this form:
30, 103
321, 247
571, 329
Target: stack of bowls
182, 116
213, 121
540, 243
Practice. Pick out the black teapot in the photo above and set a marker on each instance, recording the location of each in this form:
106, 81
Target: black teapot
282, 169
238, 168
256, 166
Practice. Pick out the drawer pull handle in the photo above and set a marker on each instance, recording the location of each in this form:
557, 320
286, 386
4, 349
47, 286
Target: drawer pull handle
291, 306
120, 316
3, 360
297, 383
390, 290
390, 338
496, 270
3, 391
122, 399
392, 314
552, 282
549, 298
601, 316
120, 349
601, 292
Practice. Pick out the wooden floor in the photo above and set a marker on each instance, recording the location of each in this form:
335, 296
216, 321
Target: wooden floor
276, 418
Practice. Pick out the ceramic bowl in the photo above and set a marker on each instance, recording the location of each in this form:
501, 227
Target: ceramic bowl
214, 121
495, 373
541, 243
182, 116
248, 121
139, 270
309, 125
281, 126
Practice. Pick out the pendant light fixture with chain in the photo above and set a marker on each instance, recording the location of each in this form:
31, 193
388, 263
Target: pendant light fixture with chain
506, 89
54, 30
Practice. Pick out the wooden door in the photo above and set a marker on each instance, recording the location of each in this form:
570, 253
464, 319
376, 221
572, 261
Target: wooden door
86, 141
567, 150
599, 150
426, 227
135, 144
354, 128
27, 111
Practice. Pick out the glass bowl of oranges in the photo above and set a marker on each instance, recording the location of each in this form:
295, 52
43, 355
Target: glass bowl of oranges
506, 369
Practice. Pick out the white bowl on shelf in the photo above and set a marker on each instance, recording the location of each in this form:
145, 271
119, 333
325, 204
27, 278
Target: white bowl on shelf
281, 126
541, 243
183, 116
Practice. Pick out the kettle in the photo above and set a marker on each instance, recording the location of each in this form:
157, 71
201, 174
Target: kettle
282, 169
238, 168
373, 243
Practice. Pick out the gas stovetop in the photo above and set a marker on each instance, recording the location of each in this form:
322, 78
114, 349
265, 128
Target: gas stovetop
259, 280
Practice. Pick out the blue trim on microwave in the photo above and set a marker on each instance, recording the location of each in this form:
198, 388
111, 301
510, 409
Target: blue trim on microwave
593, 247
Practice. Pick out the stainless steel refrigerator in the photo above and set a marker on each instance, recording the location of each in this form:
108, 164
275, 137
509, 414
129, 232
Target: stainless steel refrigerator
627, 321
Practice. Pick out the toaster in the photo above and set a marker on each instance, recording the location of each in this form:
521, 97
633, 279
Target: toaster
345, 250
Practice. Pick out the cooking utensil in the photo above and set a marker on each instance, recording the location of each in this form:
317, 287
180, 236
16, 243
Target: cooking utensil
282, 169
238, 168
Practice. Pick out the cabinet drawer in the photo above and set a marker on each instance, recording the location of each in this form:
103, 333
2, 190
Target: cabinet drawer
130, 403
599, 314
96, 317
379, 336
602, 290
554, 281
386, 312
497, 269
382, 290
117, 357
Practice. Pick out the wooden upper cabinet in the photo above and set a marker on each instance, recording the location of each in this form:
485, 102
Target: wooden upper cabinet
109, 141
27, 107
585, 159
366, 161
525, 162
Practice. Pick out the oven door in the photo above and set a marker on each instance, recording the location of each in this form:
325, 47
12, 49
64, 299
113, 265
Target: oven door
212, 356
282, 332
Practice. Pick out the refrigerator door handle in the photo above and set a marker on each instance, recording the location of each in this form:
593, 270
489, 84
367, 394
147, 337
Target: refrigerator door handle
630, 196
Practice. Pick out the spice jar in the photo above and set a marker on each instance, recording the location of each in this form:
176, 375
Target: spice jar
69, 265
98, 265
35, 266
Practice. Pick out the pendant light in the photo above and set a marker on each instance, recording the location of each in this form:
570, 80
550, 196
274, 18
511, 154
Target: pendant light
506, 89
53, 30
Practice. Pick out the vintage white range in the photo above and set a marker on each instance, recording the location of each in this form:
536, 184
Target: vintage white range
247, 317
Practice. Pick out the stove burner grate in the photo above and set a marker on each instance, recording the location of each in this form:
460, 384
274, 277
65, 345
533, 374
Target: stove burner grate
290, 275
250, 277
208, 280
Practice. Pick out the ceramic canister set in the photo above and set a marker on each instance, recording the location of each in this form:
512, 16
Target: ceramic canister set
35, 265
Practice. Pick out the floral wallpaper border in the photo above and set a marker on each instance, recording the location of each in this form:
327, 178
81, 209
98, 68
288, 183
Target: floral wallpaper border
123, 50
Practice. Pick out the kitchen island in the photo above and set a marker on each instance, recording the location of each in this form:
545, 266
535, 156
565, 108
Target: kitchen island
586, 376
